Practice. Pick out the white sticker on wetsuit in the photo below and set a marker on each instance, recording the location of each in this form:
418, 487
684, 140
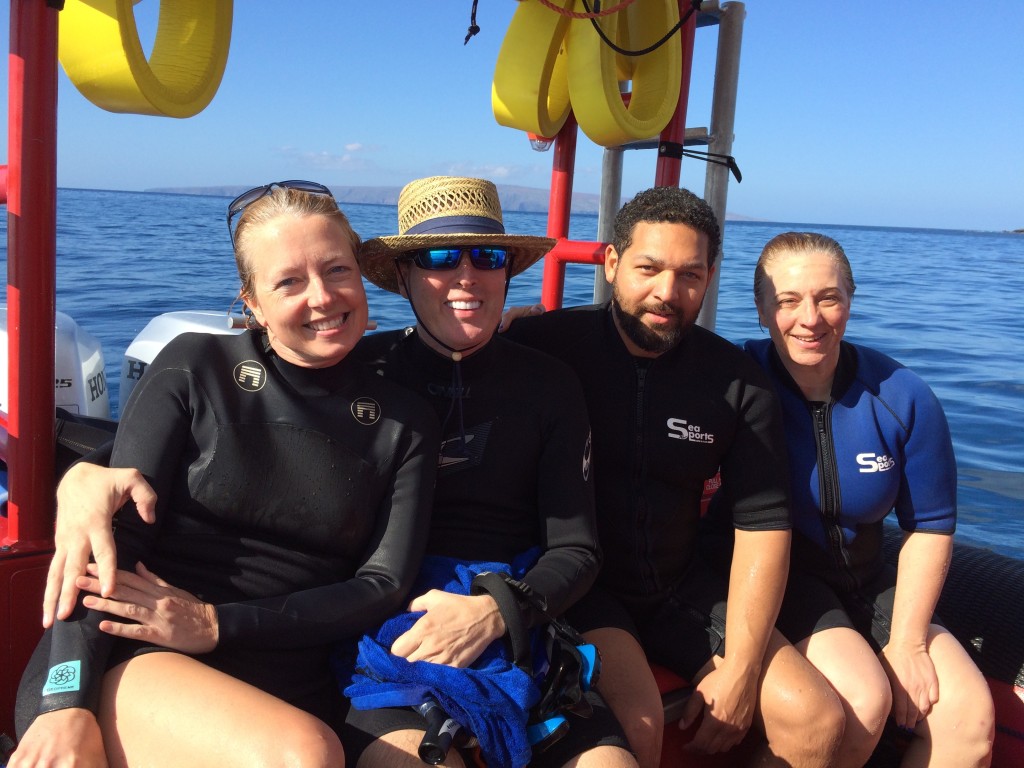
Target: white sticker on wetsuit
64, 678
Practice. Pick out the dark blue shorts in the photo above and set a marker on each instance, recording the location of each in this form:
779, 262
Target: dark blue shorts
810, 605
681, 630
362, 727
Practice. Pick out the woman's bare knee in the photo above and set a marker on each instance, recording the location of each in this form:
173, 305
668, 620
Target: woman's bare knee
629, 689
961, 725
307, 743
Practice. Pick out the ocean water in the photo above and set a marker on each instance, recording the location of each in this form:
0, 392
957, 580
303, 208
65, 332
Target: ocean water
943, 302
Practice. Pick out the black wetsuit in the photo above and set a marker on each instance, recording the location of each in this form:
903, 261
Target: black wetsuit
661, 427
294, 499
514, 474
522, 478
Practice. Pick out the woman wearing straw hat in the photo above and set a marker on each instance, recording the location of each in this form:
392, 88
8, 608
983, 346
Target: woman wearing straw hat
514, 469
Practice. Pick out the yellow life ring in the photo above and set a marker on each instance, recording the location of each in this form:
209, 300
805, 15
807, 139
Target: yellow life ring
549, 64
530, 90
594, 74
101, 53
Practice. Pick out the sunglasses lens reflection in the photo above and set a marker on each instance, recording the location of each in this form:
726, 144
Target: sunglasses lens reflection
448, 258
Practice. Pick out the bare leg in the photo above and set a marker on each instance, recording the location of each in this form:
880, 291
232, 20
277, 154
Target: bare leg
166, 709
797, 711
400, 748
603, 757
959, 730
849, 664
631, 692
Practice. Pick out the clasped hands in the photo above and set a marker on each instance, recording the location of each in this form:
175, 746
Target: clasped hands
155, 611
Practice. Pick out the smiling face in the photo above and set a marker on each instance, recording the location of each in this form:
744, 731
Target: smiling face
307, 291
805, 304
658, 285
461, 307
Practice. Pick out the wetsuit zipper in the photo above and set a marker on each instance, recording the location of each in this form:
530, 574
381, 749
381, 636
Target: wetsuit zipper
828, 485
640, 519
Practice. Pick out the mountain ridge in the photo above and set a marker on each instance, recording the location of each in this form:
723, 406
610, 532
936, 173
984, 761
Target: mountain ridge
513, 198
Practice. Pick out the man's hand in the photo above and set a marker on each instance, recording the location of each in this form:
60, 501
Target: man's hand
87, 498
61, 739
166, 616
514, 313
455, 629
727, 702
915, 686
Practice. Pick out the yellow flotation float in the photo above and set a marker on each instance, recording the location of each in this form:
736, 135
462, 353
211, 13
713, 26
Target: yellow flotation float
101, 53
553, 60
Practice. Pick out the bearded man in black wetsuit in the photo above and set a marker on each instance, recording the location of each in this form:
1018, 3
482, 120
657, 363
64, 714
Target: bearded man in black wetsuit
670, 405
513, 473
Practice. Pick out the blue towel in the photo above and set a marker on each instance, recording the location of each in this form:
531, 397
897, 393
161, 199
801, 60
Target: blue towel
492, 699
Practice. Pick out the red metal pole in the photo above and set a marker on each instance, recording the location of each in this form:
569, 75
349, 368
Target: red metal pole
563, 165
31, 270
667, 170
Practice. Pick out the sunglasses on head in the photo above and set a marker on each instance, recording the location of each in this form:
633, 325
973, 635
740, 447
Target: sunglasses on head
485, 257
246, 199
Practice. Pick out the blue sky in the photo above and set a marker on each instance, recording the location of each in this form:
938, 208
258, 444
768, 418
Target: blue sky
901, 114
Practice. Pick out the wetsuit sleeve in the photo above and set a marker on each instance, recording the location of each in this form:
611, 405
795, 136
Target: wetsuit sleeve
755, 471
571, 558
382, 581
155, 417
99, 455
927, 496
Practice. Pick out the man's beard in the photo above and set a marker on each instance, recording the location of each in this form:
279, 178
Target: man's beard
643, 336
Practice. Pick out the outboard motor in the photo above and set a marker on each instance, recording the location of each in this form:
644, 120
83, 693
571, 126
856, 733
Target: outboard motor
160, 330
80, 385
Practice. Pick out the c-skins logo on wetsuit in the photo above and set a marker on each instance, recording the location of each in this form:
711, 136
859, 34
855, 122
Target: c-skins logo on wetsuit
250, 375
365, 410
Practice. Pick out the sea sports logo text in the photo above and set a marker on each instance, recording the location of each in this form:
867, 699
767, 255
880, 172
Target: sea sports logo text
681, 430
872, 462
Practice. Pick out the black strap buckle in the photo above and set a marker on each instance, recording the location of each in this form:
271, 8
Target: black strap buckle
676, 150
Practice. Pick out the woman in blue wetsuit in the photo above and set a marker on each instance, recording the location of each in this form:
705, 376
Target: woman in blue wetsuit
293, 491
866, 436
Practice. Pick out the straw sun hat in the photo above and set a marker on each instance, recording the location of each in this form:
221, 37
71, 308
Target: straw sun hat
444, 211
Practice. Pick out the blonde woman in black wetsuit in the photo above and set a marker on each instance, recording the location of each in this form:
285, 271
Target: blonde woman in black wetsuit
513, 468
293, 494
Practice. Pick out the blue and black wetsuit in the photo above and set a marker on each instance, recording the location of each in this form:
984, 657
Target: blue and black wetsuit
880, 444
294, 499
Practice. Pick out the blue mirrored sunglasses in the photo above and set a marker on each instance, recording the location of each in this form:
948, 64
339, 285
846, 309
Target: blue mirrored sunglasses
486, 257
246, 199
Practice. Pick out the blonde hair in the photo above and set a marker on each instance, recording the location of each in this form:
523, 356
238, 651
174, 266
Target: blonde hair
802, 243
282, 201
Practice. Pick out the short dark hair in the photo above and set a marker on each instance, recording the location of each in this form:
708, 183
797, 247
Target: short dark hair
667, 204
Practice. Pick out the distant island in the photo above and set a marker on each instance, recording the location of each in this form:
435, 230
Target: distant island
513, 198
